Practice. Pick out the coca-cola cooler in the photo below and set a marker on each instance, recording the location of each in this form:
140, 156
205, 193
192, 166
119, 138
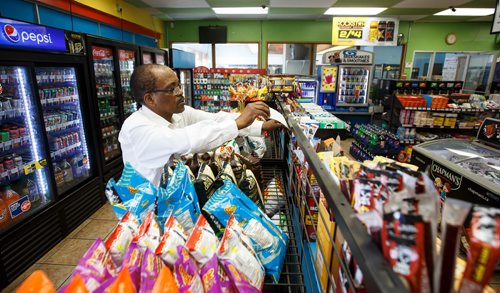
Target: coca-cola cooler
149, 55
50, 179
112, 64
463, 169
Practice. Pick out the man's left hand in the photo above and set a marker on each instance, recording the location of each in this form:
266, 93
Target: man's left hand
271, 125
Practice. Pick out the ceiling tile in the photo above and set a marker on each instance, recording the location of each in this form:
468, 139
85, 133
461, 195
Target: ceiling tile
436, 18
177, 3
408, 11
430, 3
366, 3
302, 3
480, 4
237, 3
296, 11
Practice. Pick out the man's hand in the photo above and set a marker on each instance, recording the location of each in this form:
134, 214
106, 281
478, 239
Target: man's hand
271, 125
251, 112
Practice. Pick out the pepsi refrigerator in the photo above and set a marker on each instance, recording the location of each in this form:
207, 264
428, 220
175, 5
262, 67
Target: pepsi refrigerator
149, 55
345, 82
49, 176
112, 64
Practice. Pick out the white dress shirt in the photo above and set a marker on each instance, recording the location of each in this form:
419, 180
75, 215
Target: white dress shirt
148, 140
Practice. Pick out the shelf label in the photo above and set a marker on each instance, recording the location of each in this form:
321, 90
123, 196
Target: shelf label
33, 166
20, 206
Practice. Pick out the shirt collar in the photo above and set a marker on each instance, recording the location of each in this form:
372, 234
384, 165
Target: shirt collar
158, 119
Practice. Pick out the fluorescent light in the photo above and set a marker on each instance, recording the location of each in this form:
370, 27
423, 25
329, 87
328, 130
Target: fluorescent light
467, 12
355, 10
240, 10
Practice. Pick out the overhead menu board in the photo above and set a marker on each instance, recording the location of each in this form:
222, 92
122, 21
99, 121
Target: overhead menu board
364, 31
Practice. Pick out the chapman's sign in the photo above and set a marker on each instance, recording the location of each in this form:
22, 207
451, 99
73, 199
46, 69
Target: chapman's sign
17, 34
449, 180
348, 57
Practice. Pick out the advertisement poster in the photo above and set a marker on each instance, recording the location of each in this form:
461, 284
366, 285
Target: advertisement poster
328, 79
364, 31
348, 57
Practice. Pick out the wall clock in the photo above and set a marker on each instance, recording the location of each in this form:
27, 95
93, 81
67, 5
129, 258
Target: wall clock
451, 38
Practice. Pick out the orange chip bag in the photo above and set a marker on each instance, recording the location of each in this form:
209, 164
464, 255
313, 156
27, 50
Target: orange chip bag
77, 285
37, 282
122, 284
165, 282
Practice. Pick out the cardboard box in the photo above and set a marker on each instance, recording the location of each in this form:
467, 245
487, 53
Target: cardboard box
324, 245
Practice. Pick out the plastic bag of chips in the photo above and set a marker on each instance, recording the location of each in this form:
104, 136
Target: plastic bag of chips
165, 282
121, 284
114, 199
269, 242
150, 269
202, 242
37, 282
238, 280
235, 247
173, 236
133, 262
92, 266
249, 185
121, 237
214, 277
149, 233
186, 272
203, 183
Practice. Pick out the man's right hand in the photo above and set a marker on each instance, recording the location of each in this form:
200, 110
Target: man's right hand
251, 112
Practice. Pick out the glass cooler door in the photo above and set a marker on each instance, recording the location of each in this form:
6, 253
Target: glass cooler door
62, 115
473, 157
107, 101
127, 64
24, 177
353, 85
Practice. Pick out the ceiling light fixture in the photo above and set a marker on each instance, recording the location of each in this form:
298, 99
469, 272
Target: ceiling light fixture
354, 10
241, 10
466, 12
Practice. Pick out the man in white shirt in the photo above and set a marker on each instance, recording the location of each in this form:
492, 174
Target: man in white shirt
165, 126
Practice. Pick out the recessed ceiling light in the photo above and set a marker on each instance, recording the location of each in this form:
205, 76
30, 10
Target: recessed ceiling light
467, 12
241, 10
355, 10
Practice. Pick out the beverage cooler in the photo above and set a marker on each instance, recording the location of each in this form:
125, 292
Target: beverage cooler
151, 55
49, 176
309, 88
185, 76
112, 64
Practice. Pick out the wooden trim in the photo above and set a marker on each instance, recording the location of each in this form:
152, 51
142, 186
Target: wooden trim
77, 8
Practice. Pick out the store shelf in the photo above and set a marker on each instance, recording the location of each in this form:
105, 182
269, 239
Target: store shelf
7, 116
352, 113
59, 100
439, 127
111, 134
14, 146
65, 150
351, 105
62, 126
451, 110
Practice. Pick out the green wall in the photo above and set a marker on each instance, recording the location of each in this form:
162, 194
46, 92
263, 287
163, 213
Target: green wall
471, 36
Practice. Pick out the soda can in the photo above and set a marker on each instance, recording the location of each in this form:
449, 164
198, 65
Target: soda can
22, 131
18, 161
8, 163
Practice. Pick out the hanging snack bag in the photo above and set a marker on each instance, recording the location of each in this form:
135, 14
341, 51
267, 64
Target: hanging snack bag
37, 282
173, 236
149, 233
227, 172
186, 272
92, 266
203, 183
150, 269
165, 283
213, 277
484, 249
202, 242
77, 285
274, 197
120, 239
238, 281
236, 249
130, 183
133, 262
269, 241
114, 199
121, 284
249, 185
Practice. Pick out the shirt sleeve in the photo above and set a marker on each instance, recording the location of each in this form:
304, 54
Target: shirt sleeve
195, 116
153, 145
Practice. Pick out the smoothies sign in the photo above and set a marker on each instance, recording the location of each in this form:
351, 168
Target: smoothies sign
17, 34
328, 79
348, 57
372, 31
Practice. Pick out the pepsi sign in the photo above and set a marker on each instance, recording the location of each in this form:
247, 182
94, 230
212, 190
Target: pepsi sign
17, 34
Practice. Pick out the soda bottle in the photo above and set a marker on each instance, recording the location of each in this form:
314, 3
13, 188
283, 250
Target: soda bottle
76, 166
10, 197
67, 171
58, 174
85, 166
32, 191
5, 219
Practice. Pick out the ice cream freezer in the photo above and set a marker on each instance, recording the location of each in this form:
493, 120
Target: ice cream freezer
463, 169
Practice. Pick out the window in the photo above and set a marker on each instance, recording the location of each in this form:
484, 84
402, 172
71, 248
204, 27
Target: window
202, 52
234, 55
289, 59
478, 73
421, 62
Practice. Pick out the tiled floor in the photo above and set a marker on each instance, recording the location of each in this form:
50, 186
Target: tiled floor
60, 261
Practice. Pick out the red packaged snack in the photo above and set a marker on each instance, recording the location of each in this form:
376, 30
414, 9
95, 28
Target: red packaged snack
186, 272
202, 242
165, 282
122, 284
150, 268
77, 285
173, 236
119, 240
484, 249
149, 233
37, 282
363, 196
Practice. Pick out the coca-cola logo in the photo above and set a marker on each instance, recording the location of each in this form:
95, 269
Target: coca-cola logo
100, 52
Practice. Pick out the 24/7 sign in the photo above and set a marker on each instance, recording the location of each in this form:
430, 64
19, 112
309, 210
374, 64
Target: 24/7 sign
350, 34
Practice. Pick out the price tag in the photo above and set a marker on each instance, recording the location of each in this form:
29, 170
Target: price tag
29, 168
40, 164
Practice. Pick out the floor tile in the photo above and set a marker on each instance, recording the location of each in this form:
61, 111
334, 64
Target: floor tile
51, 252
105, 213
66, 282
78, 229
58, 274
96, 229
70, 252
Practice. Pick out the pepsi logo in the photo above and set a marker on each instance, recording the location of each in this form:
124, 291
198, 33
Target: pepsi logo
11, 33
25, 206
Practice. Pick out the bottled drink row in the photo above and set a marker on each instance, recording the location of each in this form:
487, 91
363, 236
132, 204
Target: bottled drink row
9, 199
61, 145
68, 170
56, 120
375, 137
12, 137
103, 67
11, 107
11, 166
55, 96
111, 146
53, 75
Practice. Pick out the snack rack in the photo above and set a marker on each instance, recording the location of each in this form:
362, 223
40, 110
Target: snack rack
378, 276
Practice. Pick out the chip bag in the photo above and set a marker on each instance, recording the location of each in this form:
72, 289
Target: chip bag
165, 282
249, 185
114, 199
150, 269
133, 262
92, 266
236, 248
214, 277
269, 242
173, 236
202, 242
149, 233
77, 285
186, 272
119, 240
203, 183
121, 284
238, 280
37, 282
274, 197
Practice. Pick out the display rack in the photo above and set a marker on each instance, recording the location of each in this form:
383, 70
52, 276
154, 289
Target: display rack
378, 275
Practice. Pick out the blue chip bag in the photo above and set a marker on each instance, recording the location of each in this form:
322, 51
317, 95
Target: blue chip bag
115, 200
269, 242
143, 201
130, 182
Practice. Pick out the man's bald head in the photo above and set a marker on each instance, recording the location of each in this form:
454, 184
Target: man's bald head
145, 78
